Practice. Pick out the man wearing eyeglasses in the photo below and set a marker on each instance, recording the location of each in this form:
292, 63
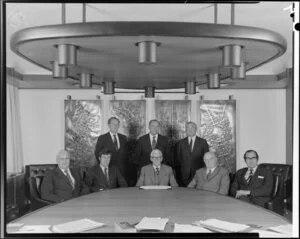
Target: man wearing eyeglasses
254, 183
156, 173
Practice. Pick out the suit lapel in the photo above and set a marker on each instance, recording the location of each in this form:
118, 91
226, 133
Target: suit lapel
255, 176
214, 173
101, 175
63, 177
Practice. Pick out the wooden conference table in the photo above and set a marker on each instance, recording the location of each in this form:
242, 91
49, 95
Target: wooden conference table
180, 205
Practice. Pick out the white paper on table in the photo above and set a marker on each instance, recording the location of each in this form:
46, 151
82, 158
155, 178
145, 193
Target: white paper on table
189, 228
152, 223
286, 229
76, 226
263, 233
223, 226
11, 225
149, 187
35, 229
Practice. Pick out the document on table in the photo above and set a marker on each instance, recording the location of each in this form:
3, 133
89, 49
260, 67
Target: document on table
222, 226
189, 228
77, 226
286, 229
263, 233
35, 229
149, 187
152, 223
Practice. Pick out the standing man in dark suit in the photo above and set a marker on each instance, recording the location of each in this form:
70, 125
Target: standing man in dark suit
104, 175
252, 184
63, 183
148, 142
117, 144
190, 151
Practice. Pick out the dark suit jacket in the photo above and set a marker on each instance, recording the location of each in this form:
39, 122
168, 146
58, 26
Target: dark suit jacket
56, 186
143, 150
96, 179
261, 185
218, 181
148, 176
118, 158
189, 161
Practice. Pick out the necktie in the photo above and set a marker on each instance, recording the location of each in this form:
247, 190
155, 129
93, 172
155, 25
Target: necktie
153, 142
250, 176
208, 174
191, 145
106, 174
157, 170
69, 178
116, 142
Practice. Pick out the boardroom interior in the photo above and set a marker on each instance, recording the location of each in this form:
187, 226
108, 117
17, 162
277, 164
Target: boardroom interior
126, 65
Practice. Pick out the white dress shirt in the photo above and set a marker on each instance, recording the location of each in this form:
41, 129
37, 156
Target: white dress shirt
151, 138
211, 170
113, 138
63, 171
247, 174
189, 140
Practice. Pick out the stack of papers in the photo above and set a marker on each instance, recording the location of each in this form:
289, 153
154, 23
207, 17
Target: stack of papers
124, 227
285, 229
152, 223
263, 233
189, 228
155, 187
35, 229
222, 226
76, 226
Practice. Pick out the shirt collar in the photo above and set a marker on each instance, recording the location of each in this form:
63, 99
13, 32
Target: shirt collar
156, 167
192, 138
253, 169
211, 169
151, 136
103, 168
112, 135
63, 170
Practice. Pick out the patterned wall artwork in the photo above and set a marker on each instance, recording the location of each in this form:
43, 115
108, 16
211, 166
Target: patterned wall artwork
83, 120
173, 114
217, 126
132, 114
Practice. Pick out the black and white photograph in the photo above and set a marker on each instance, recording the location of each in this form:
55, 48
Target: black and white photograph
154, 119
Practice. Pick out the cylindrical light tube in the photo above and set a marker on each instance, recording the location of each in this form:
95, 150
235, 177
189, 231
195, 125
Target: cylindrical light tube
109, 87
238, 73
213, 81
85, 80
149, 92
67, 54
232, 55
59, 72
190, 87
147, 52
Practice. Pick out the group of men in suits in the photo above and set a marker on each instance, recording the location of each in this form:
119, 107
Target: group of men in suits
198, 167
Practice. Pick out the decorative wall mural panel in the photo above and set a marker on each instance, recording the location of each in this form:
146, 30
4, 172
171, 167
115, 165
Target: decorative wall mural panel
173, 114
132, 114
217, 126
83, 122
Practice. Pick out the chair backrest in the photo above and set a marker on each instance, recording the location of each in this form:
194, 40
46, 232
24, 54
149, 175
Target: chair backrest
282, 174
34, 175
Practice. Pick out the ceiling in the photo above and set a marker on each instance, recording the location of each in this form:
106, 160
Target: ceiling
179, 58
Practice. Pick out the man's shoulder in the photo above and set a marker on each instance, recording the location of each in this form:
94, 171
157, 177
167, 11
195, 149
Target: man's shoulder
263, 170
51, 172
166, 167
104, 135
163, 137
147, 167
241, 171
182, 140
201, 170
223, 170
200, 139
143, 137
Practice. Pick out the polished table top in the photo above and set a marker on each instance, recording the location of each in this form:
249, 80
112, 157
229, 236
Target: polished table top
180, 205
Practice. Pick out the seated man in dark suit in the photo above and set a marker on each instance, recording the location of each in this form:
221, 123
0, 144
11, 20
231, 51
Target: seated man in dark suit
252, 184
156, 173
104, 175
211, 178
63, 183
